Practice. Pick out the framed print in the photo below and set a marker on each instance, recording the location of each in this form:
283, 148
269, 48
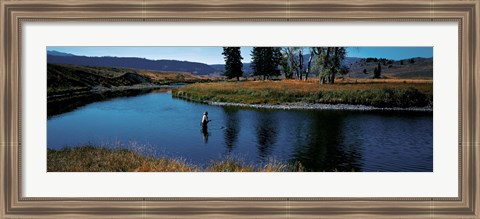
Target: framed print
238, 109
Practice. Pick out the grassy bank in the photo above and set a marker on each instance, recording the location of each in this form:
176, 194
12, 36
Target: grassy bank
387, 94
95, 159
64, 79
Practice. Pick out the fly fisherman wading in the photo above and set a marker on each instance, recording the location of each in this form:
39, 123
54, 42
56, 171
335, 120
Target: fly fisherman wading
205, 122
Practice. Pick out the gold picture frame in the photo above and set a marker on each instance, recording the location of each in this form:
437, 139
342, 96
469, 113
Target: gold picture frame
14, 12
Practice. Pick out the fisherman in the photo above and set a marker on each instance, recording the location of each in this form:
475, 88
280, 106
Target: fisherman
205, 122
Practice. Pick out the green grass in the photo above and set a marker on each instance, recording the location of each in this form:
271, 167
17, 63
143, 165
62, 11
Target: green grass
293, 92
97, 159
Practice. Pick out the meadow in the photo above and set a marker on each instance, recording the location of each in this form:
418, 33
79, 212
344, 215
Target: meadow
386, 93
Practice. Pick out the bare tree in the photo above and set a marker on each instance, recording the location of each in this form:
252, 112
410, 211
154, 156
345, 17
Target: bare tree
326, 60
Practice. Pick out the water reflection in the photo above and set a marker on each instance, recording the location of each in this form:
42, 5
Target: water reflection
205, 134
320, 140
65, 104
266, 129
232, 128
322, 148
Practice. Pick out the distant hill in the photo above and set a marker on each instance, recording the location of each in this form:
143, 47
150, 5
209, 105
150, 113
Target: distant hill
350, 60
65, 78
247, 68
407, 68
218, 67
57, 53
56, 57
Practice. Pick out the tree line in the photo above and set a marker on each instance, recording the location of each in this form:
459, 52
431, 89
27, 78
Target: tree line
273, 61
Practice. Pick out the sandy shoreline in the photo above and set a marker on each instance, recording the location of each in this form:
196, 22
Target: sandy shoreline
319, 106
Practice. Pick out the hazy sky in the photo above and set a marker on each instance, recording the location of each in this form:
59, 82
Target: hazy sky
213, 55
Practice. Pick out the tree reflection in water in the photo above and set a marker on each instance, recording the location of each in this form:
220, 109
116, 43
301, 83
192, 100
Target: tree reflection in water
68, 103
266, 130
232, 128
321, 147
321, 140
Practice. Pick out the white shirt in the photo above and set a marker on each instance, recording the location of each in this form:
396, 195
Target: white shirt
204, 119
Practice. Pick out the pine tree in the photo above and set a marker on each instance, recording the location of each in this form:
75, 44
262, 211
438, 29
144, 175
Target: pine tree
233, 62
265, 61
257, 60
377, 71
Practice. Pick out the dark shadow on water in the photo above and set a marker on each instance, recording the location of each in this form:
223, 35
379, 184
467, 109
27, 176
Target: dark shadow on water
320, 147
205, 134
232, 128
266, 129
65, 104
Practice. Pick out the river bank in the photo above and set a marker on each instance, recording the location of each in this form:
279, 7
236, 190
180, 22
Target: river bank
99, 159
318, 106
304, 95
101, 89
66, 79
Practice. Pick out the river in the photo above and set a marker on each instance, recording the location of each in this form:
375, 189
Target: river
155, 123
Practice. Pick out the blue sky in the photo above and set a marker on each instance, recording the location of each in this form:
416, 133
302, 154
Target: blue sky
213, 55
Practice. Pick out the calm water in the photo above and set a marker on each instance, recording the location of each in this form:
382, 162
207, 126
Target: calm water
155, 123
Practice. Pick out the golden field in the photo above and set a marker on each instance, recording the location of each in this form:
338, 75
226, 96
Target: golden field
371, 92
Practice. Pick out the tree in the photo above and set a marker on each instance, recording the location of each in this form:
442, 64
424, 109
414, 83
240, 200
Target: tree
297, 63
294, 61
328, 62
412, 60
325, 60
401, 62
233, 62
257, 61
377, 71
285, 65
309, 63
265, 61
275, 61
364, 71
338, 57
344, 70
300, 64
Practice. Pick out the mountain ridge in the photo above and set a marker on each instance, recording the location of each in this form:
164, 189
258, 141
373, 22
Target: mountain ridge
407, 68
198, 68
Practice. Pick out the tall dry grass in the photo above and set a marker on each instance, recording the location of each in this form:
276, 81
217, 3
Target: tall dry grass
391, 94
98, 159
